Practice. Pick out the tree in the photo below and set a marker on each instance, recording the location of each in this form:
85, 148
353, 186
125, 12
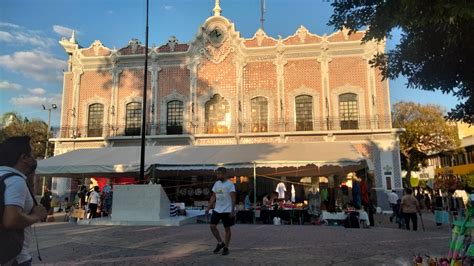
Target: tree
14, 124
427, 132
436, 48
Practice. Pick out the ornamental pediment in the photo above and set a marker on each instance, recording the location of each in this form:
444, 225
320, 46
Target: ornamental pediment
216, 39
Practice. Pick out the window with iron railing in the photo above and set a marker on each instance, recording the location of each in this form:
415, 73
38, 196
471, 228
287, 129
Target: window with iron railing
259, 115
217, 115
174, 120
133, 119
304, 112
348, 111
95, 122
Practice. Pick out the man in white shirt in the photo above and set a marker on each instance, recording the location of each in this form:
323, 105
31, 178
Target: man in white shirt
223, 202
20, 212
392, 199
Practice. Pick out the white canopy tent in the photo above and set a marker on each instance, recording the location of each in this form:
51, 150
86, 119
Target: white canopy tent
116, 161
126, 160
109, 161
269, 155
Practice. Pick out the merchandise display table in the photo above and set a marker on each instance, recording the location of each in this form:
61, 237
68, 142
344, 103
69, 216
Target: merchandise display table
339, 216
298, 216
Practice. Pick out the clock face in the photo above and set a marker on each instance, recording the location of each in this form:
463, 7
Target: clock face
216, 35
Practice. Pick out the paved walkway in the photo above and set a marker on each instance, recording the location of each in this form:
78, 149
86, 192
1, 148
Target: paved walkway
67, 243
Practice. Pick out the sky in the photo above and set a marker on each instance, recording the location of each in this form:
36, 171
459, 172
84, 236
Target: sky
32, 61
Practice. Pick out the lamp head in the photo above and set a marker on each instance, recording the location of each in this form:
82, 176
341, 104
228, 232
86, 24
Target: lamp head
54, 106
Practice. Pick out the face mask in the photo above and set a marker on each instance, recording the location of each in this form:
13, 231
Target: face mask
32, 168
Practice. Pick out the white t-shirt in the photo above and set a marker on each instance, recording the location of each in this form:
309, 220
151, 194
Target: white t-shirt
94, 197
392, 197
223, 198
17, 194
281, 190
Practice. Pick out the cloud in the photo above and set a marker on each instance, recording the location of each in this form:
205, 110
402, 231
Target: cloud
11, 25
37, 91
63, 31
5, 85
22, 36
6, 36
39, 65
168, 8
31, 100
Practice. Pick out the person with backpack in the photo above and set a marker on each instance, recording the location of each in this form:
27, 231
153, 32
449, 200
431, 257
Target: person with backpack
18, 207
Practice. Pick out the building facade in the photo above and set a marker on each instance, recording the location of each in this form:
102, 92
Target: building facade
224, 89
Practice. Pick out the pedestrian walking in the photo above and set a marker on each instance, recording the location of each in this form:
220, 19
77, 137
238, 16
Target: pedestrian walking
392, 199
410, 207
94, 200
46, 201
223, 204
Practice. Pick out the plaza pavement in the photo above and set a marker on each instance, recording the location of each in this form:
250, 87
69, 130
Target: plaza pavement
72, 244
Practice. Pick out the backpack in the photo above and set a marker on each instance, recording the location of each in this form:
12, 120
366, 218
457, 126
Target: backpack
11, 240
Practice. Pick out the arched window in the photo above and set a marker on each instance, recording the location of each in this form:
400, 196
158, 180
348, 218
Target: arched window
133, 119
259, 114
304, 112
348, 111
174, 118
217, 115
95, 122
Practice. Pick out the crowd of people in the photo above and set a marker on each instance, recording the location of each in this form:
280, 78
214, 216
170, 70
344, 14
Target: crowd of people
447, 207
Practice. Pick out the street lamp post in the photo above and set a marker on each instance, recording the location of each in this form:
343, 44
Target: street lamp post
53, 107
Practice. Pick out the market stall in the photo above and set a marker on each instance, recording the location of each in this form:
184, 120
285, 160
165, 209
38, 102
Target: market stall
187, 172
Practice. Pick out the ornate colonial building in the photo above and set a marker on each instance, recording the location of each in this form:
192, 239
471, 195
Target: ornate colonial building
224, 89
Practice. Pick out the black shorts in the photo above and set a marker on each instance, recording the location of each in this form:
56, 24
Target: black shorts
225, 217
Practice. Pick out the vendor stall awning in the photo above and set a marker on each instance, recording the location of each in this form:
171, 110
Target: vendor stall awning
122, 160
101, 161
263, 155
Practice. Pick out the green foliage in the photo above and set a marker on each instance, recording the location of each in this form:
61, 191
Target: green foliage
427, 132
436, 48
14, 124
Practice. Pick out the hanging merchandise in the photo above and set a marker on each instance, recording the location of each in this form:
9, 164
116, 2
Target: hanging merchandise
293, 193
280, 189
324, 194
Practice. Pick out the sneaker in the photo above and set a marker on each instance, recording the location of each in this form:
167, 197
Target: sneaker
219, 247
225, 251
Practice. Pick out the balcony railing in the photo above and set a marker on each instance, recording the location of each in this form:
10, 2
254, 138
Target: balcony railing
234, 127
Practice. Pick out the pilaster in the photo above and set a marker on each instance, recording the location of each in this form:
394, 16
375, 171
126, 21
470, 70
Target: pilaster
324, 60
76, 89
192, 102
280, 63
240, 66
115, 71
154, 69
372, 93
